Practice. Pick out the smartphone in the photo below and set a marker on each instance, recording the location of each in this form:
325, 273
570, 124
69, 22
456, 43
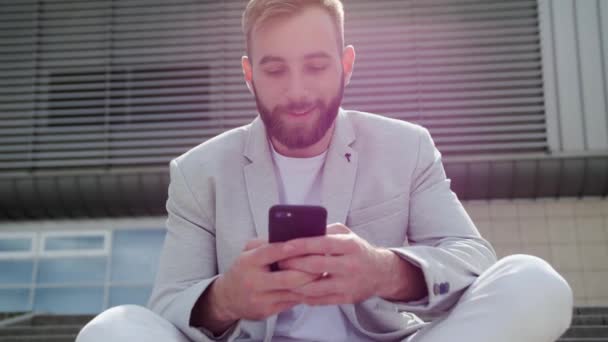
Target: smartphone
286, 222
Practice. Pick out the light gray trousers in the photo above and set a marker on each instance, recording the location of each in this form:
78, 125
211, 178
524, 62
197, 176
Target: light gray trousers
520, 298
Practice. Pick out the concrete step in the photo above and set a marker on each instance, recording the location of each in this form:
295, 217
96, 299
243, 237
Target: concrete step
34, 338
587, 331
61, 320
591, 310
50, 330
590, 320
589, 324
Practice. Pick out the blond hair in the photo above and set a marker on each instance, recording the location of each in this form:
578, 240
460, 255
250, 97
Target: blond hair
258, 12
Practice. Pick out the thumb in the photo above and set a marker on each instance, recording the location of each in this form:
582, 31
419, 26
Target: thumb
337, 228
253, 244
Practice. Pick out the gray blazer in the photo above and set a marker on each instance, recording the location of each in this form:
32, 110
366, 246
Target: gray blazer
392, 192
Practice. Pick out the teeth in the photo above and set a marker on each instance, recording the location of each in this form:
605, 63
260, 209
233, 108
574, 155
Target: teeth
302, 112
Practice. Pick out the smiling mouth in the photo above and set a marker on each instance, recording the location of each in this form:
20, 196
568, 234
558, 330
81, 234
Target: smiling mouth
302, 113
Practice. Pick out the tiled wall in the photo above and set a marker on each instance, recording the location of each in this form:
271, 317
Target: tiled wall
571, 234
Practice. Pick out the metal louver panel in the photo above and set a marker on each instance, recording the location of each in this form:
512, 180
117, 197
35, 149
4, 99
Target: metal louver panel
105, 84
470, 71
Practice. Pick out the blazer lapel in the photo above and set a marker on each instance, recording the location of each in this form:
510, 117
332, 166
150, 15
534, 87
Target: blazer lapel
260, 178
339, 172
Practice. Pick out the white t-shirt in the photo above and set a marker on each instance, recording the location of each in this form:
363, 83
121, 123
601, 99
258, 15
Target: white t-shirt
299, 181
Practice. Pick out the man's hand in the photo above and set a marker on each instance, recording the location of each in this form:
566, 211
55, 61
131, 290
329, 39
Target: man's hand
249, 290
353, 269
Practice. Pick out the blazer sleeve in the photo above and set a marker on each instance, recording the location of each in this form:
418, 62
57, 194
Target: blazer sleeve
188, 263
443, 240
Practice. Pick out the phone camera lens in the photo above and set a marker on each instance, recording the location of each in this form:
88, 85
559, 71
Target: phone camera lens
282, 214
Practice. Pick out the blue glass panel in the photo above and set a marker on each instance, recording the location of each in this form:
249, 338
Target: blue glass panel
129, 295
135, 255
16, 271
72, 270
63, 243
15, 244
14, 300
69, 300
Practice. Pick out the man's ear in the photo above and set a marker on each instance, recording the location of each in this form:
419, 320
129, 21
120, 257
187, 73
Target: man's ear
348, 63
247, 73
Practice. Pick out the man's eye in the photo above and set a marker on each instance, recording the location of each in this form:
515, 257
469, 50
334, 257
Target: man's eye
316, 68
275, 72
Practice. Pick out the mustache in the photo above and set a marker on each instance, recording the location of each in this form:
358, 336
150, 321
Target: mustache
299, 106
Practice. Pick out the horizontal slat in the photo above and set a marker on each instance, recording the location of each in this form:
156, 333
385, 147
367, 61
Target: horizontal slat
92, 154
477, 120
139, 161
209, 5
66, 146
432, 7
486, 129
115, 122
403, 28
218, 110
25, 6
449, 78
67, 6
491, 137
522, 146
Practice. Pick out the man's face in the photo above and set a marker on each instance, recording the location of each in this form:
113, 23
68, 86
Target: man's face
297, 78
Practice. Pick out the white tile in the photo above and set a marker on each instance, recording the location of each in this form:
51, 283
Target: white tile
478, 210
506, 250
600, 301
559, 208
562, 230
534, 230
503, 209
539, 250
594, 257
591, 229
595, 284
605, 207
485, 229
530, 208
588, 207
576, 282
566, 258
506, 232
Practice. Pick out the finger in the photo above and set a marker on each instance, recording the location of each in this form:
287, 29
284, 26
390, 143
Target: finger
337, 228
283, 306
270, 253
255, 243
333, 299
316, 264
336, 244
286, 280
323, 287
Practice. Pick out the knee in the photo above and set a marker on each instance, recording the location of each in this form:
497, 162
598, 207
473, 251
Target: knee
111, 324
538, 290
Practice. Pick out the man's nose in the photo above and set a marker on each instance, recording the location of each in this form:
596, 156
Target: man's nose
297, 89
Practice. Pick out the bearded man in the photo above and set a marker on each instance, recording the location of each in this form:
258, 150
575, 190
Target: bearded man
401, 261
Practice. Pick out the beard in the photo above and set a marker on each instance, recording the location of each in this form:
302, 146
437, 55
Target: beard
303, 135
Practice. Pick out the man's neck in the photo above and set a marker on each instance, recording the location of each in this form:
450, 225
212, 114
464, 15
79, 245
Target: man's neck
306, 152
